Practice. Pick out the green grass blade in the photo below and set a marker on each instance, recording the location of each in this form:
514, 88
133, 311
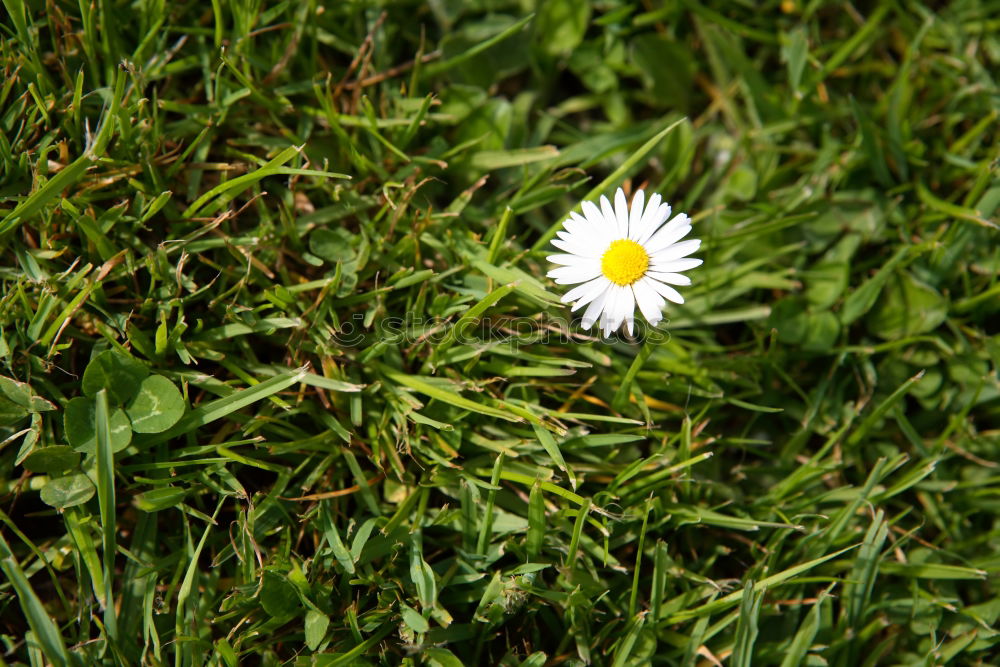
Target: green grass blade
628, 642
486, 524
106, 500
419, 384
440, 67
45, 629
72, 173
866, 565
536, 522
747, 626
615, 177
574, 543
803, 640
219, 408
775, 579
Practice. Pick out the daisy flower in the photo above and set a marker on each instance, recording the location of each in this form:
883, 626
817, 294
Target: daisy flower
623, 256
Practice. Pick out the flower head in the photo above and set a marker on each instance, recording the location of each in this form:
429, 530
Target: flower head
623, 256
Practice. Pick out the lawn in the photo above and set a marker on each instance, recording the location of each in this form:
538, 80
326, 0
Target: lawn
284, 381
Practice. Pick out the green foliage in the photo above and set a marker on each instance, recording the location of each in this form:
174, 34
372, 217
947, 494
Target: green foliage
283, 380
156, 407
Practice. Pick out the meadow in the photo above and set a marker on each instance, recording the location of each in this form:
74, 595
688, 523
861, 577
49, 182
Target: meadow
283, 380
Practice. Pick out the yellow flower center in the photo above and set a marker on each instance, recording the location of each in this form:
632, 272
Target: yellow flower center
624, 262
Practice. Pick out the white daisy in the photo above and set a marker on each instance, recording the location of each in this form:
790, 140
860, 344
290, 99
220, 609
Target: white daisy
623, 256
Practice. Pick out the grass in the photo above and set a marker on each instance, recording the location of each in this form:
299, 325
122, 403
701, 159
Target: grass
283, 381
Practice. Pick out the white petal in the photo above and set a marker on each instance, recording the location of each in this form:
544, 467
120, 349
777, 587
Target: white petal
669, 278
576, 247
677, 265
609, 215
579, 247
678, 220
570, 230
594, 216
606, 327
635, 213
626, 305
570, 260
569, 275
656, 218
666, 237
676, 251
668, 292
583, 228
594, 310
621, 212
595, 288
649, 301
621, 304
581, 290
610, 308
646, 226
578, 238
576, 227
